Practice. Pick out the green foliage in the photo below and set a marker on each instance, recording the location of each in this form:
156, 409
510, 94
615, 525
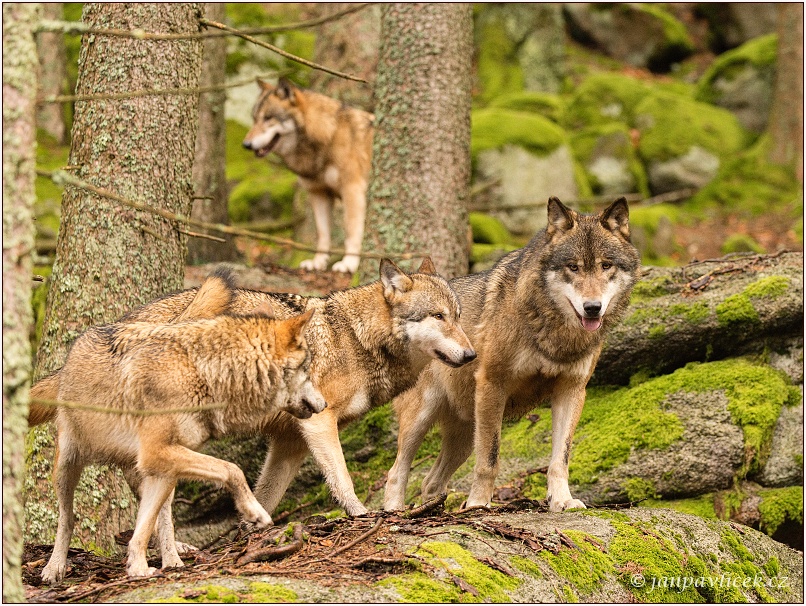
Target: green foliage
492, 128
779, 505
671, 125
758, 52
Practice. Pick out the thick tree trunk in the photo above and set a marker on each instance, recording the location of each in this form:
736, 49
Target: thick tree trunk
109, 258
421, 151
52, 75
679, 315
350, 45
19, 147
786, 116
209, 175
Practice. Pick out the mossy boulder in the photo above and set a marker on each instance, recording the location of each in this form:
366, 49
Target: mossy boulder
741, 80
683, 142
642, 35
604, 98
609, 158
543, 104
493, 128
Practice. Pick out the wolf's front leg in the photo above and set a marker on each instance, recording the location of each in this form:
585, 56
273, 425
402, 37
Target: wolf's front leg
321, 433
322, 209
491, 399
566, 407
354, 198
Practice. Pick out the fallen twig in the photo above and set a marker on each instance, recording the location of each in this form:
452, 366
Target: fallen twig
363, 537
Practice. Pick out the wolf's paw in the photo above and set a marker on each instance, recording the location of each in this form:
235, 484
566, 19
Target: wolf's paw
348, 265
318, 263
53, 573
256, 515
185, 548
356, 509
172, 561
140, 570
558, 506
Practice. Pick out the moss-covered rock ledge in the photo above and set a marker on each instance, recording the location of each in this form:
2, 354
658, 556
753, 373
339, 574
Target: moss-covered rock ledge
591, 556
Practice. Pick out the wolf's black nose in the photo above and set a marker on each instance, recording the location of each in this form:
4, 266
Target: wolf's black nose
247, 144
468, 356
592, 308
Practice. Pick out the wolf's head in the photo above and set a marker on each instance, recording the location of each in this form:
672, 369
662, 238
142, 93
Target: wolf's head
425, 313
588, 265
297, 395
276, 118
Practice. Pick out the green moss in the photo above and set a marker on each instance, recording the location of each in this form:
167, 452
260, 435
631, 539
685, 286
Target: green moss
488, 230
489, 253
759, 52
702, 506
535, 486
544, 104
771, 286
672, 124
569, 595
638, 489
492, 128
693, 313
772, 567
264, 593
585, 568
605, 97
646, 290
657, 331
677, 43
498, 69
207, 594
779, 505
736, 309
456, 561
741, 243
526, 566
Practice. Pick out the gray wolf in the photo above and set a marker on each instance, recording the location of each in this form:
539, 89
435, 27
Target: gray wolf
255, 365
538, 319
329, 145
368, 344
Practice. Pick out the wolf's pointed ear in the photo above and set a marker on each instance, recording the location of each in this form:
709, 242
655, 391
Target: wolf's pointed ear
427, 267
297, 326
616, 218
561, 218
285, 89
264, 309
264, 85
394, 280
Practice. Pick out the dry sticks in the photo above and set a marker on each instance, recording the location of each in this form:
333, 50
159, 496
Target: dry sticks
62, 178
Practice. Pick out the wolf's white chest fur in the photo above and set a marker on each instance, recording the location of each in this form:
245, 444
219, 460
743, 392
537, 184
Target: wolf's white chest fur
331, 177
358, 405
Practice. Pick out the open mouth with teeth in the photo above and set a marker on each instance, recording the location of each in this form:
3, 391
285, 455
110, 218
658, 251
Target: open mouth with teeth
443, 358
267, 148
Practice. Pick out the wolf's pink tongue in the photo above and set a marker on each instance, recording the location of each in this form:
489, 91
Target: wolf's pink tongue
591, 324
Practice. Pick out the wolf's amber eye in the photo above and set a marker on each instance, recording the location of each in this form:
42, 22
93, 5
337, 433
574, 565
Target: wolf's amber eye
606, 265
438, 316
573, 267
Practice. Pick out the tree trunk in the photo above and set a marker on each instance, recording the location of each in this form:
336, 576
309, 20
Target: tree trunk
671, 323
786, 116
110, 259
52, 75
19, 147
349, 45
421, 151
209, 175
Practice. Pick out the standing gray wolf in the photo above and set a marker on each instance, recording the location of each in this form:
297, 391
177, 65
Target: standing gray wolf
329, 145
367, 344
253, 364
538, 319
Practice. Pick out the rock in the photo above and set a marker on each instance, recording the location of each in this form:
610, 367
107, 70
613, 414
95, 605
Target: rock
608, 156
696, 168
741, 81
636, 555
784, 466
642, 35
734, 23
603, 99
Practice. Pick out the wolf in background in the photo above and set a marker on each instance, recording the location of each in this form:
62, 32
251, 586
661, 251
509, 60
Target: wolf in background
254, 365
329, 146
538, 320
368, 344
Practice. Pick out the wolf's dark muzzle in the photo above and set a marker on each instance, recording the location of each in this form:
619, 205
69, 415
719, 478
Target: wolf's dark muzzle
592, 308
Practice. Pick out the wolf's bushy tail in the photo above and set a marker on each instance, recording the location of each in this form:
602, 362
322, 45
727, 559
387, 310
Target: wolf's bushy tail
44, 389
214, 297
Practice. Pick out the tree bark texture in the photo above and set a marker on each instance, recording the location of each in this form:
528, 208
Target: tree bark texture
786, 116
706, 311
110, 259
349, 45
419, 183
209, 175
52, 74
19, 154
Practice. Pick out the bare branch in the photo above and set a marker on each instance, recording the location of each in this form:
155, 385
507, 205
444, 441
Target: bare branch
146, 412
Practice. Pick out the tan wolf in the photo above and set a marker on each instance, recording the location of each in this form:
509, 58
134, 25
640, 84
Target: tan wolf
538, 319
255, 365
368, 344
329, 145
